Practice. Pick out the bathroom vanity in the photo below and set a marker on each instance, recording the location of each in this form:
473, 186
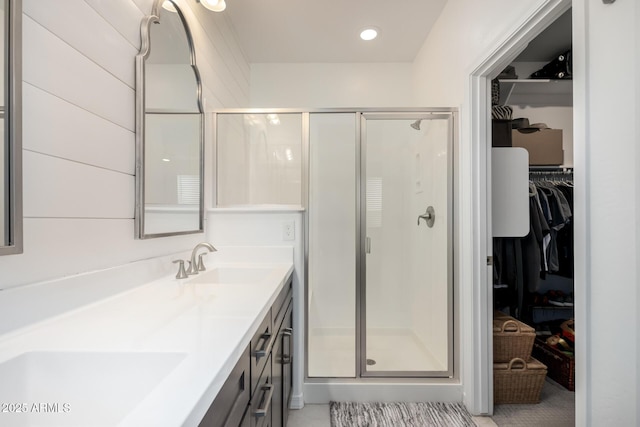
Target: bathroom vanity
258, 390
214, 349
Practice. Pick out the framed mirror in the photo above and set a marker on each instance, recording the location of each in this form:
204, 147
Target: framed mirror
11, 128
169, 128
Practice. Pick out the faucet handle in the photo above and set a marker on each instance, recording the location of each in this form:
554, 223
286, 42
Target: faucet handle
182, 274
192, 268
201, 266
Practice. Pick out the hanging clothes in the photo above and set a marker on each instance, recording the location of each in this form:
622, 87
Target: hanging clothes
521, 263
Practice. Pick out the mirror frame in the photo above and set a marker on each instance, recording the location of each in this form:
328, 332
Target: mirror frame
12, 179
145, 50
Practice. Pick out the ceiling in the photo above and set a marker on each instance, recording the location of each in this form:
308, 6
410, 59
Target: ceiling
328, 30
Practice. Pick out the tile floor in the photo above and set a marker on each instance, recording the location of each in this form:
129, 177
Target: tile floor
318, 416
556, 409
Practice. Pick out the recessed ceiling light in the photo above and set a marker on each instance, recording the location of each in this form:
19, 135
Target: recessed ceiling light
369, 33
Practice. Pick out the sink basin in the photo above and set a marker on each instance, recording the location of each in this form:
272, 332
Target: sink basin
233, 275
80, 388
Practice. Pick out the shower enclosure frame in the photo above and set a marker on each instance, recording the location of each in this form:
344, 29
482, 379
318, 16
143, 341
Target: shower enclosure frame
409, 113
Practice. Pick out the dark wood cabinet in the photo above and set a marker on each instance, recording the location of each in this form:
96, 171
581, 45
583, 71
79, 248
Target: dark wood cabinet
287, 362
258, 390
232, 400
261, 346
282, 359
277, 402
262, 398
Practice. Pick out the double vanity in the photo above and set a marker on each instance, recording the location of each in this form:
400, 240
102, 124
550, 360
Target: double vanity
213, 349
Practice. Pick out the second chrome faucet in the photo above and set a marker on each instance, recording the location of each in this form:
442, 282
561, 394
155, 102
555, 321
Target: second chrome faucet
196, 266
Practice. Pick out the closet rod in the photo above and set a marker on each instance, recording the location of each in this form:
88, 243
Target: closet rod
551, 175
550, 168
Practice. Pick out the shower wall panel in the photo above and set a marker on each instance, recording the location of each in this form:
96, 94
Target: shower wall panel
259, 159
430, 247
332, 245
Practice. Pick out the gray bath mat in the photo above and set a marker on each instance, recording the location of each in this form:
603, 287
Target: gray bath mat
421, 414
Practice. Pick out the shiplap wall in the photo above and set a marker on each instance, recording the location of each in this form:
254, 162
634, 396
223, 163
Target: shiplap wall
79, 124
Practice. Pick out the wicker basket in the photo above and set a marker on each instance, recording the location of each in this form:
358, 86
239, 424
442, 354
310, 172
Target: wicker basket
511, 338
518, 381
560, 365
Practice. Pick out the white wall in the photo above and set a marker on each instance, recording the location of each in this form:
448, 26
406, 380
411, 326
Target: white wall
460, 38
315, 85
607, 213
465, 34
607, 198
79, 141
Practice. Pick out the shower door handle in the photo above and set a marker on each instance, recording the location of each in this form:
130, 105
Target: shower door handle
429, 217
367, 245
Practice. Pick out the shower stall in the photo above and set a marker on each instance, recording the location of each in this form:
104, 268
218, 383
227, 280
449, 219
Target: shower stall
379, 274
377, 189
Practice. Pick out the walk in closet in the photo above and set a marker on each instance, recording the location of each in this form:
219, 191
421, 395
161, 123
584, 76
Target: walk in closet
533, 280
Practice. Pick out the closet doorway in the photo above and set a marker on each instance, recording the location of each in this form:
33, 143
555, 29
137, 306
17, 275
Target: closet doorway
533, 271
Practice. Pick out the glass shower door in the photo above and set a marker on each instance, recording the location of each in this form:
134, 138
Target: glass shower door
405, 234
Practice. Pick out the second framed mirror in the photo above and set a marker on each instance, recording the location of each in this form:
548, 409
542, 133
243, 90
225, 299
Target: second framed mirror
169, 127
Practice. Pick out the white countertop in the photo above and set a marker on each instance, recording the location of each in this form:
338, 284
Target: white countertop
208, 328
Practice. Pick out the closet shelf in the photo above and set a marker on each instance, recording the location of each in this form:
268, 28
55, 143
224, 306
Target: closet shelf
541, 92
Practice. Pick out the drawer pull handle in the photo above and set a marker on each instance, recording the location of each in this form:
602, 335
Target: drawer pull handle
262, 412
287, 333
266, 347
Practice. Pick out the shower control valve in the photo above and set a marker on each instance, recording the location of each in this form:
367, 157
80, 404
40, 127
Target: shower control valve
429, 217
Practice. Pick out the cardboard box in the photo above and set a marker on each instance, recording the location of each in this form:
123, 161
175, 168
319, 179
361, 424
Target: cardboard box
544, 146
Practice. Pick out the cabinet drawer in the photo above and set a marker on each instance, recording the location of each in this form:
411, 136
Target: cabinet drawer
281, 303
260, 410
261, 345
232, 400
246, 421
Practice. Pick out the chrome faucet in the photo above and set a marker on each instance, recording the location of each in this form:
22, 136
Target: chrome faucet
196, 266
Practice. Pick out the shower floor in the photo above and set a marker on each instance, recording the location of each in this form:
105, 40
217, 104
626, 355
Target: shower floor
332, 353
